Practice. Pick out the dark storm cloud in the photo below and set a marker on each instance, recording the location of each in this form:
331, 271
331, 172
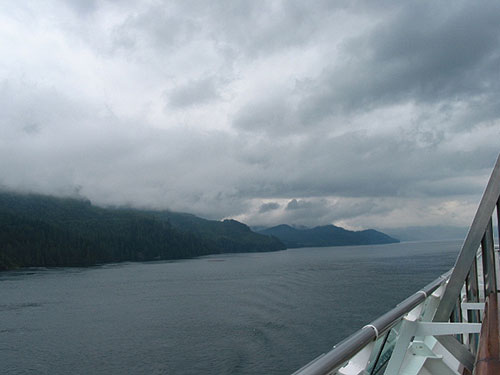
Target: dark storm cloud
427, 51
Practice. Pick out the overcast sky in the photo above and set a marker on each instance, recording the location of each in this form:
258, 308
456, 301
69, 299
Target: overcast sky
358, 113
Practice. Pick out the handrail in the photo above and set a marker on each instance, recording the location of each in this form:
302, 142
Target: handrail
347, 348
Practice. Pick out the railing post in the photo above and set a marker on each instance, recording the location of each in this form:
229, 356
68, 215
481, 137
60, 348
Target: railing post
406, 333
472, 295
498, 217
488, 251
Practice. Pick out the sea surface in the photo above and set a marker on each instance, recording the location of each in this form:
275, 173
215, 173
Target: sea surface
252, 313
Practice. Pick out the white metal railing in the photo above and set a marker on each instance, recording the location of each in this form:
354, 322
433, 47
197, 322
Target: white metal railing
436, 330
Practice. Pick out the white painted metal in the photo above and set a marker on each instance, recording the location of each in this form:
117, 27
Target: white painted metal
472, 306
358, 363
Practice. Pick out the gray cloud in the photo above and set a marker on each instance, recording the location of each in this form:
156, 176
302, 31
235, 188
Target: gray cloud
160, 25
258, 28
197, 92
83, 7
307, 212
269, 113
266, 207
31, 128
300, 204
317, 211
365, 113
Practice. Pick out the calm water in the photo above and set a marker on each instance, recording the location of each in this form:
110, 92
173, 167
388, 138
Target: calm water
266, 313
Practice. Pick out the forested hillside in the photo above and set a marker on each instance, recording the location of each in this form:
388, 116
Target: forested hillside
47, 231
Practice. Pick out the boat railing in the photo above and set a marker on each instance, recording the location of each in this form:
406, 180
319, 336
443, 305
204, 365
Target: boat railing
436, 330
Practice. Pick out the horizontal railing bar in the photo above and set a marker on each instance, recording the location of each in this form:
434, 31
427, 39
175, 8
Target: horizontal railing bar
350, 346
473, 306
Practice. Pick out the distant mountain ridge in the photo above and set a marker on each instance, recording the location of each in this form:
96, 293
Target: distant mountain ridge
326, 235
44, 231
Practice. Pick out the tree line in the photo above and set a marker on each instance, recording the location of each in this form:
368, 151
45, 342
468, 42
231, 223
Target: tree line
43, 231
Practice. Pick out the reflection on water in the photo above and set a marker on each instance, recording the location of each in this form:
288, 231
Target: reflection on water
225, 314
